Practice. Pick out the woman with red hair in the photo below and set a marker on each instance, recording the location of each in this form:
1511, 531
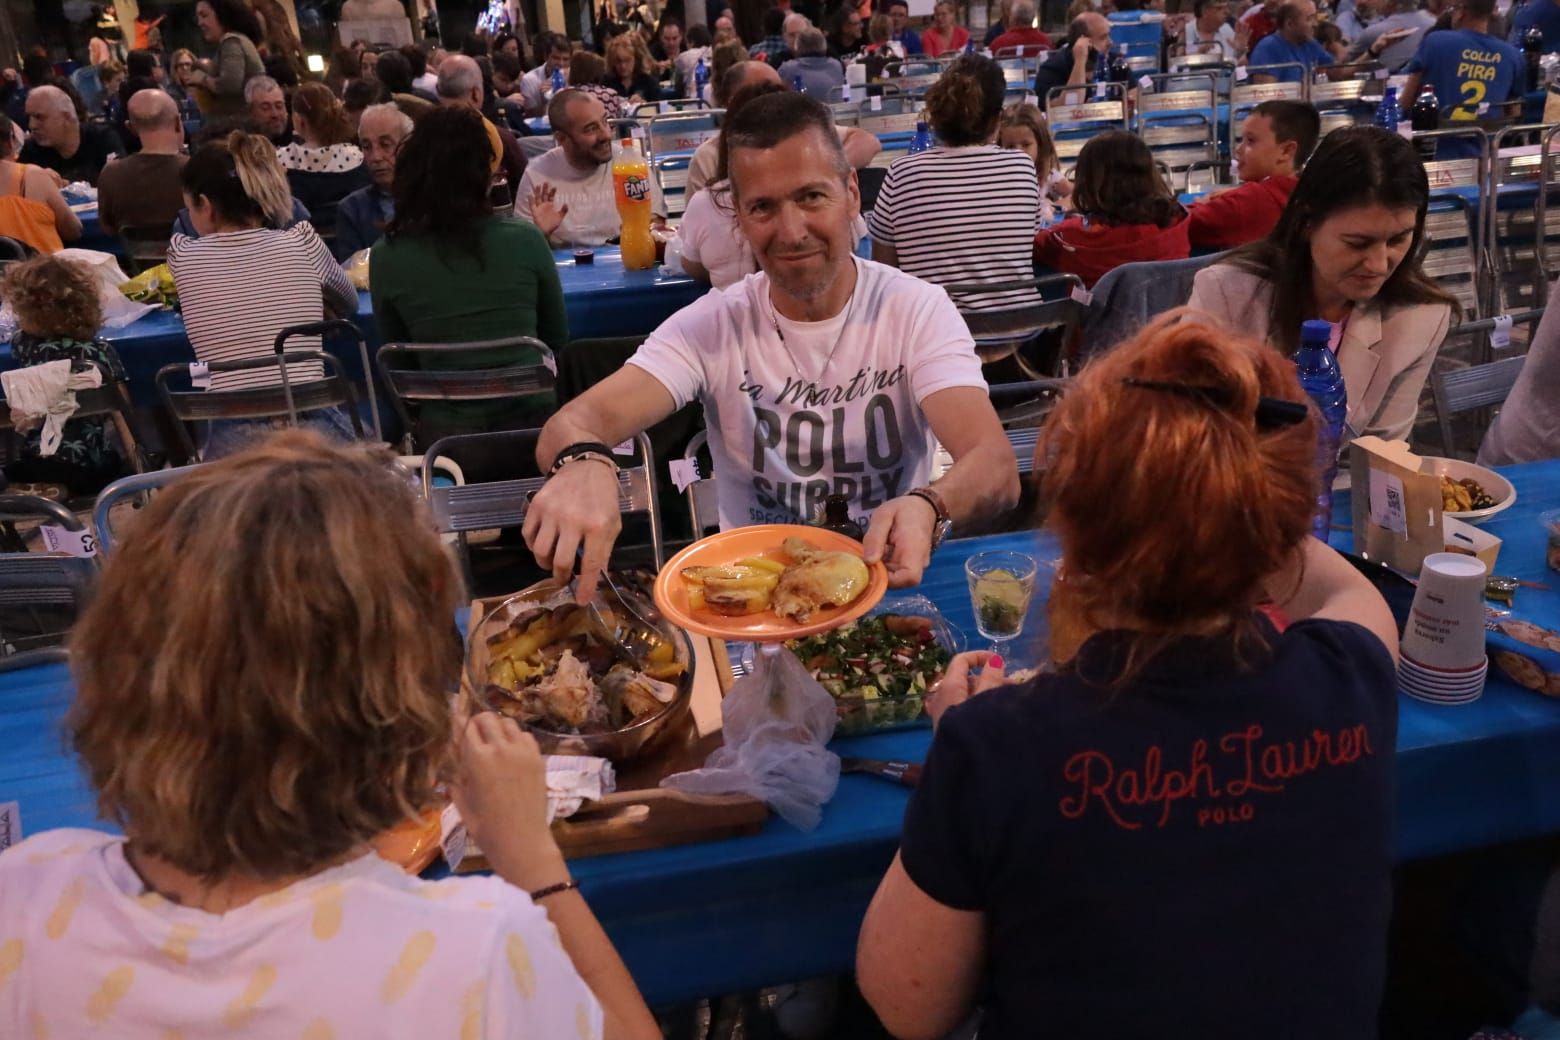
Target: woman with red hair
1187, 826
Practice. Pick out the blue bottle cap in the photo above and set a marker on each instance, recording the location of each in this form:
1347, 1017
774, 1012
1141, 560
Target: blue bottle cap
1315, 331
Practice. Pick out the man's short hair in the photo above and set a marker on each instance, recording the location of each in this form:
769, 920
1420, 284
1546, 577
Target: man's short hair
698, 36
768, 120
395, 72
152, 109
459, 75
1024, 13
1077, 29
774, 22
732, 79
558, 107
1287, 12
1295, 121
810, 43
56, 98
508, 64
390, 111
1478, 8
1129, 5
417, 58
255, 86
1199, 6
888, 8
548, 42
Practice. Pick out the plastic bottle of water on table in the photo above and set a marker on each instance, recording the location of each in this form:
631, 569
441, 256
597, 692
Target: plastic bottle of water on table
1322, 380
922, 141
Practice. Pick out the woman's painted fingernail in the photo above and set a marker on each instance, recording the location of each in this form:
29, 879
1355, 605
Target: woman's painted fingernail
994, 663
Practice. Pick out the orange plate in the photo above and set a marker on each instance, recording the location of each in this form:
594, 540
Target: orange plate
727, 547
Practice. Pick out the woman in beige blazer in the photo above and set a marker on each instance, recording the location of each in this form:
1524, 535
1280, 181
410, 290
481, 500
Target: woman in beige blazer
1346, 250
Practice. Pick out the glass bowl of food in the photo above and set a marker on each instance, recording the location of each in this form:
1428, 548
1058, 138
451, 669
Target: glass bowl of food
611, 680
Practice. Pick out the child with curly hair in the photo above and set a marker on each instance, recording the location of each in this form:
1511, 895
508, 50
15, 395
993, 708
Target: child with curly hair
58, 317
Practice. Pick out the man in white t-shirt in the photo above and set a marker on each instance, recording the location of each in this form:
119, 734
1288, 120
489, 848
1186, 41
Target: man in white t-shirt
536, 85
567, 191
822, 374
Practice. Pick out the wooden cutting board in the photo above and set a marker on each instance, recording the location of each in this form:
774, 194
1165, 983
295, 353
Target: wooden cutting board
641, 814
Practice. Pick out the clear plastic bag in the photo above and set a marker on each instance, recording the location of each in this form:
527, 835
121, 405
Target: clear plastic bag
776, 724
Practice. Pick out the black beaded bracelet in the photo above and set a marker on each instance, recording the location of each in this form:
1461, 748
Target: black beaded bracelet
552, 890
579, 448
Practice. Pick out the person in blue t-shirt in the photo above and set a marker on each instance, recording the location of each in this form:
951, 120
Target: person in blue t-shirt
1293, 44
1472, 73
1543, 13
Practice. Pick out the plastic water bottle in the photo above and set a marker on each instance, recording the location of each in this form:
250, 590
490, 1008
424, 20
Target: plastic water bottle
922, 141
557, 80
797, 85
1323, 382
701, 76
1387, 114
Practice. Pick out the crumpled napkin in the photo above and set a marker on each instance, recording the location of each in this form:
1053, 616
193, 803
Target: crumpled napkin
572, 780
46, 394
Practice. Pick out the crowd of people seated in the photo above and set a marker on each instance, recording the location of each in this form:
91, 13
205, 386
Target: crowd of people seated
424, 164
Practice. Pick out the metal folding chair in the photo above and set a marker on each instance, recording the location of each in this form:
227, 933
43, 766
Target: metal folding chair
1179, 119
493, 504
1022, 439
31, 507
41, 595
401, 366
1246, 95
703, 500
112, 401
1467, 389
145, 245
1002, 332
1076, 114
284, 400
126, 489
1347, 99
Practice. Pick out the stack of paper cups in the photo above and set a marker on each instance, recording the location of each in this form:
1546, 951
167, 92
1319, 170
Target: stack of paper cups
1443, 659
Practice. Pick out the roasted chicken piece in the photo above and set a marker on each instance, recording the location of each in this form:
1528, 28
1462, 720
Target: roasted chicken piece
637, 692
567, 699
819, 579
742, 588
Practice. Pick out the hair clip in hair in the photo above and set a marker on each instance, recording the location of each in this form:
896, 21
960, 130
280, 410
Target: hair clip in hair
1271, 412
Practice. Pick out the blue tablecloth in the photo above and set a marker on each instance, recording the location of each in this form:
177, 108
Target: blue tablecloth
602, 300
725, 915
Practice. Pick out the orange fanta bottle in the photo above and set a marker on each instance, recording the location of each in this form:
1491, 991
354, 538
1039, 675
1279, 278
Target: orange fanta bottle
631, 185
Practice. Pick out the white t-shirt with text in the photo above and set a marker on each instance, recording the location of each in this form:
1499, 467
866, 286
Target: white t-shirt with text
832, 408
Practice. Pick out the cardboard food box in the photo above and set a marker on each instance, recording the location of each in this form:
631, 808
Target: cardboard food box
1397, 510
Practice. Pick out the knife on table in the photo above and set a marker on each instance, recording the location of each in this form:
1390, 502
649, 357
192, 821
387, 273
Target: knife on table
907, 773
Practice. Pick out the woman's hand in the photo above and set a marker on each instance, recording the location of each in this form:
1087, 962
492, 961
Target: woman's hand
958, 685
546, 214
500, 789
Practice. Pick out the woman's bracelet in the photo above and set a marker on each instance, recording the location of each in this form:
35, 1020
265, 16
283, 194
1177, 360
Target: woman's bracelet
552, 890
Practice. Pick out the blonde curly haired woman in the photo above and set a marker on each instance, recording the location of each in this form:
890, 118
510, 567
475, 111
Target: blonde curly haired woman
262, 690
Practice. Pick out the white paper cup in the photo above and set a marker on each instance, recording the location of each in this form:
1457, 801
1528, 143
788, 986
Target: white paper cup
856, 75
1445, 628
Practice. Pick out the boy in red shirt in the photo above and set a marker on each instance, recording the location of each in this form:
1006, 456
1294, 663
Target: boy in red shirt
1275, 141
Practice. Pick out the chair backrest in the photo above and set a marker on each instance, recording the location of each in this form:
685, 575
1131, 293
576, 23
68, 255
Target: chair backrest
683, 131
1451, 249
703, 500
284, 400
1465, 389
111, 399
670, 106
1179, 119
1000, 332
123, 490
1246, 95
12, 250
486, 505
1130, 296
888, 115
419, 372
1021, 439
33, 585
1076, 114
145, 245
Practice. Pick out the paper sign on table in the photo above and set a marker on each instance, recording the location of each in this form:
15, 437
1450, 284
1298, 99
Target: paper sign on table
684, 473
10, 824
1386, 502
875, 103
200, 375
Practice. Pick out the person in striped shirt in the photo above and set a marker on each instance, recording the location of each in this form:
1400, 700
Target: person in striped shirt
965, 210
246, 278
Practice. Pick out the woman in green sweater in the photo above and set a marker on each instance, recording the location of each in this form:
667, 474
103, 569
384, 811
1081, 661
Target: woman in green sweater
449, 270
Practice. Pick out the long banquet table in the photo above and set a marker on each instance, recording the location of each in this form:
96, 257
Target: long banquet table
726, 915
